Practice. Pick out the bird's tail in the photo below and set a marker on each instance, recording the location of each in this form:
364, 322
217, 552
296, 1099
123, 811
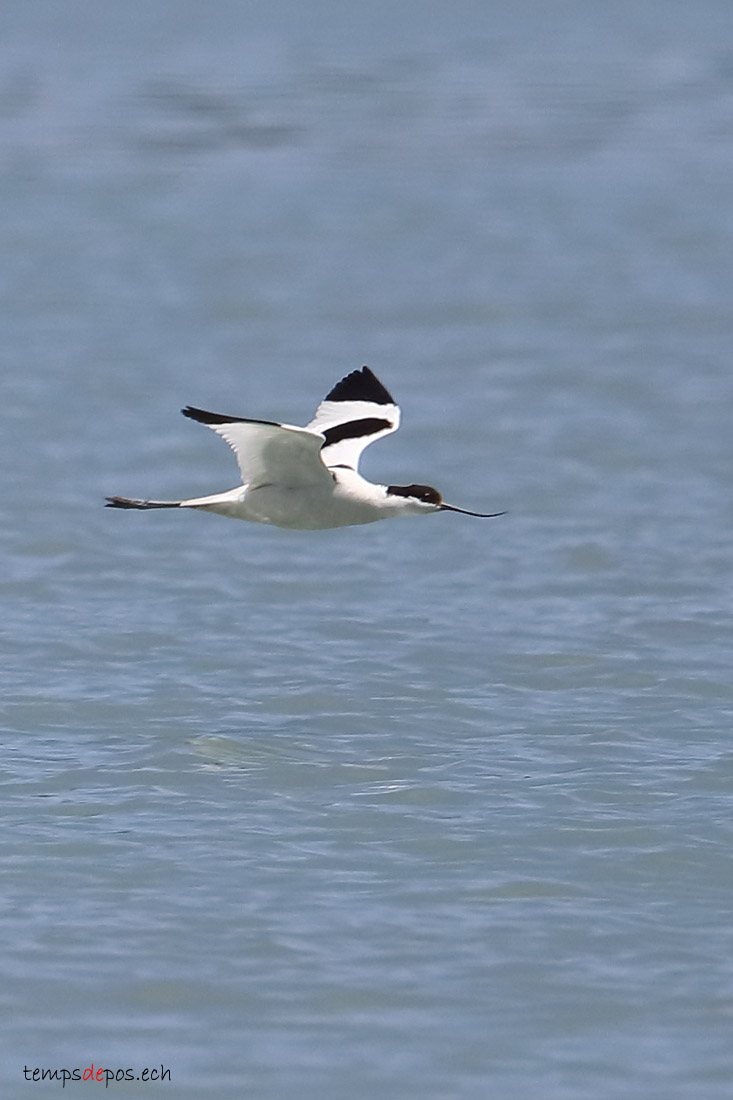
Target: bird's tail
219, 502
125, 502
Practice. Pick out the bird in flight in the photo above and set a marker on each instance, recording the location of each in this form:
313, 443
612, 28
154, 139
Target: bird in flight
307, 478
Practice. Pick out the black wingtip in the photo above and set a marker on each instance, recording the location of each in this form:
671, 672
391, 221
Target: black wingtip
361, 385
205, 417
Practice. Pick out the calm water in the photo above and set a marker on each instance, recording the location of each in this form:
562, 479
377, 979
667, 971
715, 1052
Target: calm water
431, 809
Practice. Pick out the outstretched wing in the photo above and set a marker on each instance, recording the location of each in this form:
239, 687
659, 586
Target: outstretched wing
356, 412
269, 453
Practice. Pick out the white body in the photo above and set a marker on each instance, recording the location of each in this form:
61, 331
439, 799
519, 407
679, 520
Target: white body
347, 501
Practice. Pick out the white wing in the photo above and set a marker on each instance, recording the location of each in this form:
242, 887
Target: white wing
356, 412
269, 453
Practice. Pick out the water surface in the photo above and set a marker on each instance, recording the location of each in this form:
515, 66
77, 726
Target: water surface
438, 808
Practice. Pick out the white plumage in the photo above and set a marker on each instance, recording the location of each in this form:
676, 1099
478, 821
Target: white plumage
307, 478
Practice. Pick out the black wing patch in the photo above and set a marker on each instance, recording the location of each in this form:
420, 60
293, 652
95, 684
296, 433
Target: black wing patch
361, 385
355, 429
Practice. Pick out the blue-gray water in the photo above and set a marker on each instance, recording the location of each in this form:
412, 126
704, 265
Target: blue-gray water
438, 808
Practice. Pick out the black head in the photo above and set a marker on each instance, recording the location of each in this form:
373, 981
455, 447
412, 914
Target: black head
424, 493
